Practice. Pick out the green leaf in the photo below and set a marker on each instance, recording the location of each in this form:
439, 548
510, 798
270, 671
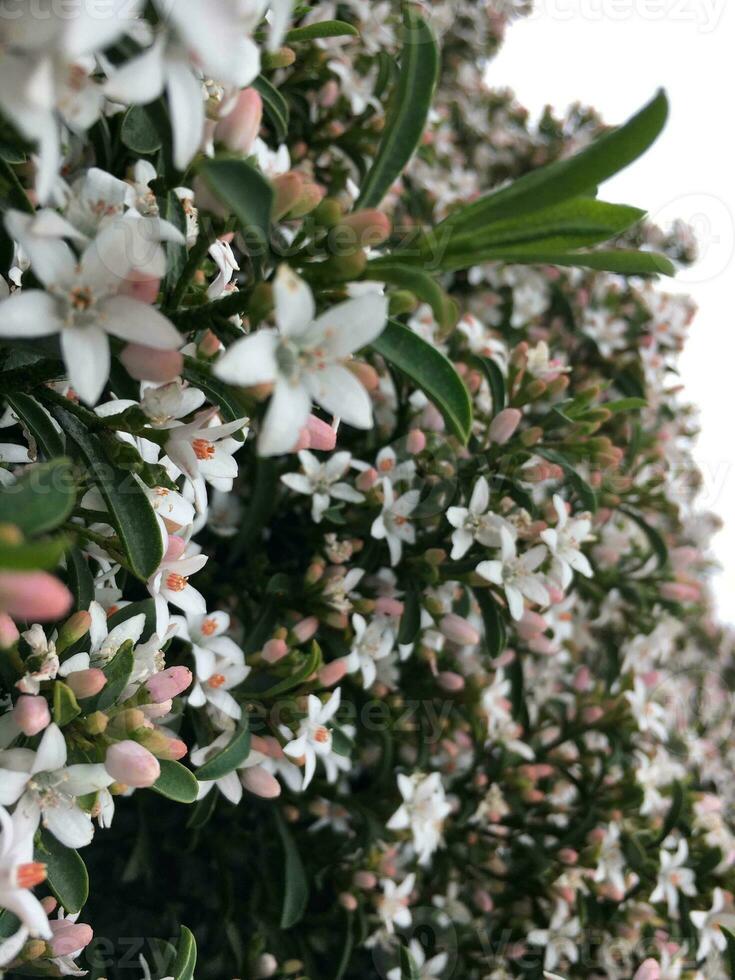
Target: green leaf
275, 107
66, 707
67, 874
117, 671
411, 616
569, 178
176, 782
730, 951
672, 817
325, 28
145, 606
495, 629
423, 286
229, 758
79, 579
407, 111
619, 260
138, 131
431, 371
625, 405
186, 956
409, 970
583, 490
309, 666
658, 545
42, 499
129, 508
246, 192
31, 555
38, 422
495, 380
295, 884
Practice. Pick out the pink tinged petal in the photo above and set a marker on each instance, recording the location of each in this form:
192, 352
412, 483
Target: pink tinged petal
286, 415
337, 390
186, 106
352, 325
294, 302
139, 323
31, 313
250, 361
86, 352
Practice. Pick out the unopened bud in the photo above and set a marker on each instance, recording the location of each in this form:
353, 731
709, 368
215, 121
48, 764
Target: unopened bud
310, 197
168, 683
86, 683
265, 966
415, 442
450, 681
348, 901
31, 714
288, 189
132, 764
370, 226
532, 436
73, 629
261, 783
367, 479
148, 364
332, 673
305, 629
329, 212
648, 970
238, 129
9, 634
504, 425
161, 745
459, 630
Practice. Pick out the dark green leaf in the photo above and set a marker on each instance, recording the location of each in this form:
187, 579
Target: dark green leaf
583, 490
31, 555
67, 874
79, 579
495, 380
408, 108
325, 28
176, 782
38, 422
658, 545
411, 617
130, 511
275, 107
409, 970
730, 951
41, 499
138, 131
495, 628
625, 405
431, 371
117, 671
229, 758
423, 286
295, 885
569, 178
246, 192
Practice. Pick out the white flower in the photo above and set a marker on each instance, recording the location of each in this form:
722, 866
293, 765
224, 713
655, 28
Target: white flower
305, 360
373, 642
82, 304
476, 522
104, 643
393, 904
563, 542
19, 873
166, 404
673, 878
206, 452
649, 715
709, 925
208, 34
423, 811
323, 481
608, 332
314, 739
229, 784
224, 258
47, 665
559, 940
49, 787
220, 663
170, 583
393, 523
426, 968
516, 574
610, 860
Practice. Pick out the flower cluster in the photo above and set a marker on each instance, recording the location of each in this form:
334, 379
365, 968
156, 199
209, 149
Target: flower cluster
353, 587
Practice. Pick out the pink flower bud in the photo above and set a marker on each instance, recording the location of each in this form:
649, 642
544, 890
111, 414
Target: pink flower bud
680, 592
35, 596
531, 625
147, 364
274, 650
348, 901
504, 425
582, 679
132, 764
365, 879
370, 227
648, 970
388, 607
483, 900
592, 714
9, 634
86, 683
159, 710
265, 967
260, 783
69, 937
31, 714
568, 855
332, 673
168, 683
316, 434
288, 189
450, 681
367, 479
415, 441
141, 286
459, 630
305, 629
238, 129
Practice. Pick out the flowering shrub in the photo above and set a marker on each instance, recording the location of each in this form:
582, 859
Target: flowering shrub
355, 618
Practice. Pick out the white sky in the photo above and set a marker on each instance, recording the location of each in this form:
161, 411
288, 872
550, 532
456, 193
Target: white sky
614, 54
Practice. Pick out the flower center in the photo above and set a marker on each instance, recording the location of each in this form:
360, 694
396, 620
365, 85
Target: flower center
216, 680
203, 449
208, 627
321, 734
80, 298
31, 874
176, 582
